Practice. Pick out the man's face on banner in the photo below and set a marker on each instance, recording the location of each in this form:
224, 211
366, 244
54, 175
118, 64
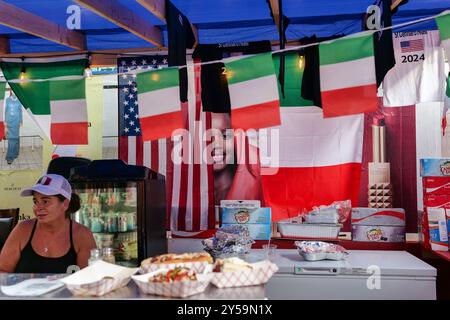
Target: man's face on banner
223, 151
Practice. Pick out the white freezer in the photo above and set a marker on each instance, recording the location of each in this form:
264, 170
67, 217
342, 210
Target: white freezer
363, 275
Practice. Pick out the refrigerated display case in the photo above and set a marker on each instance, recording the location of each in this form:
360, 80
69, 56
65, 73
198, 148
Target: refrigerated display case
125, 208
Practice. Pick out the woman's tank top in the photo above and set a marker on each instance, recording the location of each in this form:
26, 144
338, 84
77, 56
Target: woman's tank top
31, 262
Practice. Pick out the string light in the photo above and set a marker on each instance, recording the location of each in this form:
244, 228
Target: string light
23, 73
301, 62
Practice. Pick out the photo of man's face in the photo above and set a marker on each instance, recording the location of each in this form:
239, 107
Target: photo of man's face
223, 140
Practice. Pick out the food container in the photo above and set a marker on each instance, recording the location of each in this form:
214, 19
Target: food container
178, 289
308, 230
318, 250
98, 279
260, 273
246, 215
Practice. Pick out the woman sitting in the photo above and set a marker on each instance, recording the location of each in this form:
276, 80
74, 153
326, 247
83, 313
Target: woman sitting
51, 242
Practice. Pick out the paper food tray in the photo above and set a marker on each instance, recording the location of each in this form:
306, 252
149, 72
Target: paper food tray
32, 287
180, 289
260, 273
308, 230
98, 279
197, 267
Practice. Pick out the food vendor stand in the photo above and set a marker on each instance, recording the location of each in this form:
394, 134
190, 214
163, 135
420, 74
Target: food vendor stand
114, 35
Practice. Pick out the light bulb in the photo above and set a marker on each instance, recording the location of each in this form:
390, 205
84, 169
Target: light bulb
301, 61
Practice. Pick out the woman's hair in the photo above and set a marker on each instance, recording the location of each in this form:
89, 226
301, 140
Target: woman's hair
74, 204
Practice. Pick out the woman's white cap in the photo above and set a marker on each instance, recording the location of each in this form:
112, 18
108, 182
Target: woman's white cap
50, 185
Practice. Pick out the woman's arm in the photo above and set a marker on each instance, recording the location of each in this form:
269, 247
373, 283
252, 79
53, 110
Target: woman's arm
84, 243
10, 254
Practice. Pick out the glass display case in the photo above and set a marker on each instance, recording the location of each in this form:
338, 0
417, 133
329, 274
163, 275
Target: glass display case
124, 207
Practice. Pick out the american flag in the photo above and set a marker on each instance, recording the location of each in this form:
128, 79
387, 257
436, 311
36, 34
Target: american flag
189, 186
412, 45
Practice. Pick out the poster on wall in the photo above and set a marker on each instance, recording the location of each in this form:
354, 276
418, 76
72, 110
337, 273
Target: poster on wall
21, 143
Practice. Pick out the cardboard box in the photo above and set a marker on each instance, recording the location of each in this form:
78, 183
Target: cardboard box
246, 215
436, 201
378, 233
434, 167
437, 224
448, 227
378, 217
240, 203
436, 186
257, 231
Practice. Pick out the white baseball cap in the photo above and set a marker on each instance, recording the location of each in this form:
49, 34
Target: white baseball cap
50, 185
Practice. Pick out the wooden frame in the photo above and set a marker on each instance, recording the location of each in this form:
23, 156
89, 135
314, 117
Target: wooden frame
25, 21
120, 15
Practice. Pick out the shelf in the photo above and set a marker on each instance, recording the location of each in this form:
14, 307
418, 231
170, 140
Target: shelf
107, 232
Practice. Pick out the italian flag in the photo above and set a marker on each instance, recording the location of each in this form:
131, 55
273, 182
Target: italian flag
159, 103
2, 103
347, 76
56, 98
254, 98
443, 23
308, 160
68, 112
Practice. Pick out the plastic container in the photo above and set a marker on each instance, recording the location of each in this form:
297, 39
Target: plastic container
308, 230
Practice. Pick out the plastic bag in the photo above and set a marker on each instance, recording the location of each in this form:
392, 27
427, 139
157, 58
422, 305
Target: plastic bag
343, 209
229, 241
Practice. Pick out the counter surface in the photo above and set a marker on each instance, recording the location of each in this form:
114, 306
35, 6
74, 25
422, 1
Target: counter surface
401, 276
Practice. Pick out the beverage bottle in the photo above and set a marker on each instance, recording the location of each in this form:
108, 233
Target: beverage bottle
95, 256
108, 255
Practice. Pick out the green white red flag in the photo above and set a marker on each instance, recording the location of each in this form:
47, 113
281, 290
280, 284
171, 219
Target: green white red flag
53, 93
253, 88
347, 76
319, 160
159, 103
443, 23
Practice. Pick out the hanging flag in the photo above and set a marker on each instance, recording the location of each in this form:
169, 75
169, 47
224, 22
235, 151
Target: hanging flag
384, 51
254, 98
189, 186
446, 106
347, 76
180, 37
2, 103
309, 160
443, 23
319, 161
159, 102
69, 125
57, 102
419, 74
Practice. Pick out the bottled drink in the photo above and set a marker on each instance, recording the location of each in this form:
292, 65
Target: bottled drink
95, 256
108, 255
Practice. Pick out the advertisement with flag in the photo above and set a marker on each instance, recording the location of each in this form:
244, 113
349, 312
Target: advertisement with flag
189, 184
56, 99
419, 73
319, 159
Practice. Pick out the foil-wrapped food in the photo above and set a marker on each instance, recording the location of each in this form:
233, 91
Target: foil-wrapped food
229, 241
318, 250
